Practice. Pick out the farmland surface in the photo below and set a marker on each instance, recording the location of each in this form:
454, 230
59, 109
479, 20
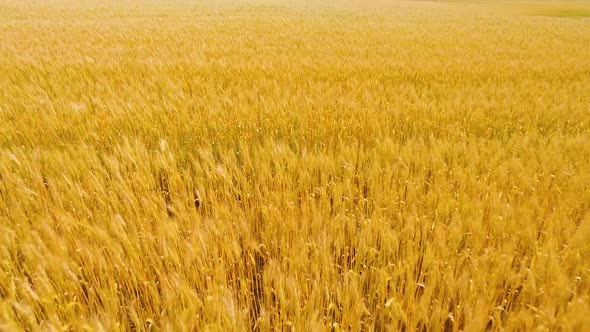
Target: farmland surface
302, 165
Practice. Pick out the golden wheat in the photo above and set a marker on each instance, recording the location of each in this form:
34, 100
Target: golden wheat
306, 166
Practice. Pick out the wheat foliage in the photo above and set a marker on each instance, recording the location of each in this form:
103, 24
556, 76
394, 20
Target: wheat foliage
304, 166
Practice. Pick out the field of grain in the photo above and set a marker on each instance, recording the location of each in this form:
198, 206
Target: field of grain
295, 166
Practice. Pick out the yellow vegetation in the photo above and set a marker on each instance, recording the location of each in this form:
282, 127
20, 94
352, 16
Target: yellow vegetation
377, 165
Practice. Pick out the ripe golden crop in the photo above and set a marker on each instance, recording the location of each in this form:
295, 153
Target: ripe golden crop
303, 166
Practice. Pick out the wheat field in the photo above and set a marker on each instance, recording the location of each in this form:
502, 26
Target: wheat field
294, 166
